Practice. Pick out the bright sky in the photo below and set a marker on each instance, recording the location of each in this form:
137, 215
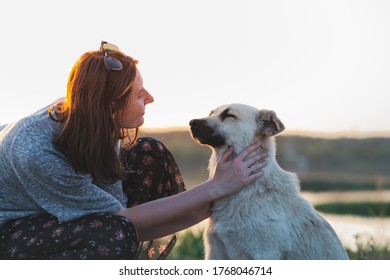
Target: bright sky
320, 65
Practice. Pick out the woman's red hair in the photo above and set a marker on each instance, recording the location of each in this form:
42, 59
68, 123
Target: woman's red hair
90, 135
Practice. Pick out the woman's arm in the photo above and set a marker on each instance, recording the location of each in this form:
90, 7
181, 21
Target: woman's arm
160, 217
185, 220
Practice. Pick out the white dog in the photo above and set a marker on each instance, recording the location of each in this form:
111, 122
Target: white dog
268, 219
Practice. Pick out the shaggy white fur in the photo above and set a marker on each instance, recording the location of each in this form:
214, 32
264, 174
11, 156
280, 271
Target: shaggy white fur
269, 219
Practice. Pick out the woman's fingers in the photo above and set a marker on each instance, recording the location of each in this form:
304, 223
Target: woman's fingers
248, 150
226, 155
253, 162
257, 167
245, 163
256, 159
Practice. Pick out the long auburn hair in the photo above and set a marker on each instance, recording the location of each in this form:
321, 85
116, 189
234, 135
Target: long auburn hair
90, 135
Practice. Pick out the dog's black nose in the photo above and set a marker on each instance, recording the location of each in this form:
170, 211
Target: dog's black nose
196, 122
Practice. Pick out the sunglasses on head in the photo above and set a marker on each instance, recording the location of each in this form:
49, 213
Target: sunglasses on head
110, 63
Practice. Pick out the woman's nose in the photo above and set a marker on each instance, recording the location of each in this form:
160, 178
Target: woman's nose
149, 98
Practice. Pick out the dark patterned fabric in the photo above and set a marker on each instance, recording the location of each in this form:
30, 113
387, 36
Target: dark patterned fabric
100, 236
153, 174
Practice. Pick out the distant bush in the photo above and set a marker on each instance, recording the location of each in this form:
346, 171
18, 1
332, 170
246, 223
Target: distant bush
364, 208
323, 185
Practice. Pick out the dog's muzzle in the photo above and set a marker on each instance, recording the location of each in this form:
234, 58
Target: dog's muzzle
204, 134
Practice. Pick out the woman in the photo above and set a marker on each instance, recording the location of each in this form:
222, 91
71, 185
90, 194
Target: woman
70, 190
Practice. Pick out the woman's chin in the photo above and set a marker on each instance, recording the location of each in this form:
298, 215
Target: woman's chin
141, 121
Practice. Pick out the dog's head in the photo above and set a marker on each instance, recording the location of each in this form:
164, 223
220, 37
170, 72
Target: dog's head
235, 124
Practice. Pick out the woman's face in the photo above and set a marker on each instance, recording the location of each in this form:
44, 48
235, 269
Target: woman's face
132, 115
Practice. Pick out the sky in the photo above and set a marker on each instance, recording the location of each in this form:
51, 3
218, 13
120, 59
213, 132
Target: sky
320, 65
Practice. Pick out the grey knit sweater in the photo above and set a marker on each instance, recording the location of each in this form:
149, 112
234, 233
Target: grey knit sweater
36, 178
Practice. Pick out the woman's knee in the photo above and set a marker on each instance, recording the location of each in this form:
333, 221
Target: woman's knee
153, 172
100, 237
117, 240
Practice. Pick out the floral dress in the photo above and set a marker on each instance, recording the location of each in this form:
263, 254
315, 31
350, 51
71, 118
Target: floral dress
157, 175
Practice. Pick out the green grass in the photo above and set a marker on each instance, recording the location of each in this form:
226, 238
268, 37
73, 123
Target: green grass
189, 246
369, 250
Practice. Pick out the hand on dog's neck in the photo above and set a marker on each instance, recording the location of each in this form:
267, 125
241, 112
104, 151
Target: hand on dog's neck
267, 145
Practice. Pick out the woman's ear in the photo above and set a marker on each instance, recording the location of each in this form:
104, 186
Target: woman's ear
268, 123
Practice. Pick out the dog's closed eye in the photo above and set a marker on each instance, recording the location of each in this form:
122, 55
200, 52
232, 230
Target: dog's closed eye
226, 114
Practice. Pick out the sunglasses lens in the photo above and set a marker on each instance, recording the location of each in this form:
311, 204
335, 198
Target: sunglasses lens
107, 47
112, 63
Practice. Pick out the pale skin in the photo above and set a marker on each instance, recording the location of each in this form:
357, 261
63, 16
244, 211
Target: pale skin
164, 216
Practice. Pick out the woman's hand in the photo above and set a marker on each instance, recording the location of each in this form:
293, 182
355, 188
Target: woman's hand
231, 176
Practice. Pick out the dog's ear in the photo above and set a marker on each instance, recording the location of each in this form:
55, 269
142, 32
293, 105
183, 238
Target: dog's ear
268, 123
